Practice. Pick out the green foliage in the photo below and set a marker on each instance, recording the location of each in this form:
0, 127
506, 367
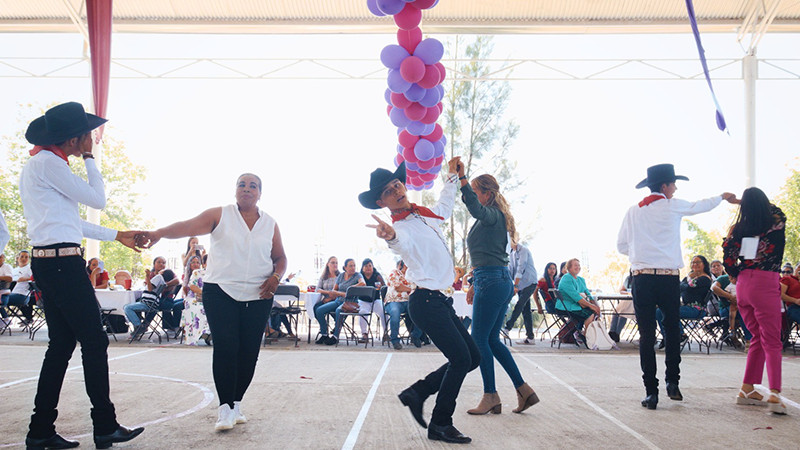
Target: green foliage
789, 201
122, 209
705, 243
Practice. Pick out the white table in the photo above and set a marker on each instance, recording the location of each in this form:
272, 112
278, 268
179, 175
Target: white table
116, 299
310, 299
460, 304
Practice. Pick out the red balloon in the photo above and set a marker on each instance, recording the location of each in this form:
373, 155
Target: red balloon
398, 159
424, 4
431, 77
431, 114
442, 71
440, 106
412, 177
408, 18
408, 155
412, 69
438, 160
399, 100
388, 109
409, 39
427, 176
425, 165
436, 134
407, 139
415, 111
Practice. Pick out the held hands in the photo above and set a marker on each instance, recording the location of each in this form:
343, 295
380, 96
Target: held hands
128, 239
146, 239
730, 198
383, 230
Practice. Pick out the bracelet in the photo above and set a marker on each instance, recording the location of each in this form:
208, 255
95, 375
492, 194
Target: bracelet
462, 177
87, 156
277, 276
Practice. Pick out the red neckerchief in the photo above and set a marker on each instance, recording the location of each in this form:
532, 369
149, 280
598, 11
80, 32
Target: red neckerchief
421, 210
50, 148
650, 199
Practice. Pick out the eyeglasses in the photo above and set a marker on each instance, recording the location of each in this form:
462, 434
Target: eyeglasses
787, 272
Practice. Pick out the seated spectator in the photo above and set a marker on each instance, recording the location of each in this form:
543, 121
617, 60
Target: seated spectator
397, 304
327, 280
5, 284
694, 290
790, 293
18, 296
156, 278
576, 299
724, 287
624, 309
561, 272
121, 276
97, 273
372, 278
193, 248
335, 300
193, 318
458, 283
547, 282
717, 269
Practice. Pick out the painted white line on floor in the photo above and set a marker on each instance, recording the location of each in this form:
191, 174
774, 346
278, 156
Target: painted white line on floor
764, 390
593, 405
14, 383
350, 442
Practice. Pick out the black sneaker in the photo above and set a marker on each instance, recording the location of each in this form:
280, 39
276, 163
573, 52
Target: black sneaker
322, 339
614, 336
332, 340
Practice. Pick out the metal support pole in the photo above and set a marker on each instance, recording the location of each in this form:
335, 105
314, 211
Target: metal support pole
750, 75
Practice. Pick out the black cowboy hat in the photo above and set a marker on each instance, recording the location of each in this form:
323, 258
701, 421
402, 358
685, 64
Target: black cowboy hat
660, 174
378, 180
60, 123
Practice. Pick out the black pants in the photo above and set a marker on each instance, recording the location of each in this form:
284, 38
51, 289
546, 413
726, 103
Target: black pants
651, 292
433, 313
237, 328
523, 307
72, 316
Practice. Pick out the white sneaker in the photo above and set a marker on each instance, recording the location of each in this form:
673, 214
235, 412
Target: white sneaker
237, 413
225, 418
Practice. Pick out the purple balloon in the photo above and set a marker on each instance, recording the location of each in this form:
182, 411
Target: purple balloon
399, 149
423, 150
411, 166
396, 82
387, 95
438, 149
390, 7
430, 51
428, 128
431, 98
428, 185
372, 5
415, 92
443, 140
393, 55
415, 127
436, 169
398, 117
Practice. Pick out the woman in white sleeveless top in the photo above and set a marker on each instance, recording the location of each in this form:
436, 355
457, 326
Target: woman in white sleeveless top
245, 263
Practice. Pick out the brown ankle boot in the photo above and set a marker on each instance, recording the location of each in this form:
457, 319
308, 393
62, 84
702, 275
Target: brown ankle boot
489, 403
526, 398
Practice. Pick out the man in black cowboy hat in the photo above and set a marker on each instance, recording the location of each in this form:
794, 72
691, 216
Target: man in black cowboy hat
50, 195
650, 236
416, 236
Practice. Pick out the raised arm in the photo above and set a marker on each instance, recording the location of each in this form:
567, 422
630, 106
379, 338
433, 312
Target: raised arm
202, 224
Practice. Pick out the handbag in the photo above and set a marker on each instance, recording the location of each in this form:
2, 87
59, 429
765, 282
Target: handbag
597, 338
350, 307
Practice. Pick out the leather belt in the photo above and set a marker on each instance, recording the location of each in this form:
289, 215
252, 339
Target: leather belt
56, 252
674, 272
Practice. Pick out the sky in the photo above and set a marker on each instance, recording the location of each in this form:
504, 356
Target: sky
582, 145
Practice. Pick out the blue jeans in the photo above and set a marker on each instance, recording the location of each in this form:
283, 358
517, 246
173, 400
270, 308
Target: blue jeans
793, 311
395, 309
320, 310
493, 292
131, 311
686, 312
725, 314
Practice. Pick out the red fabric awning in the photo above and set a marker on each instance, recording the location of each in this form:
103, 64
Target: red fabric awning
98, 14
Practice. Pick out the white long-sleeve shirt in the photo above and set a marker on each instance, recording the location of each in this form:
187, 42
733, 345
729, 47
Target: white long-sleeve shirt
651, 235
4, 235
50, 195
421, 244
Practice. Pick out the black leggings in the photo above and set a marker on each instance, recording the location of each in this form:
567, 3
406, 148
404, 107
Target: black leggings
237, 328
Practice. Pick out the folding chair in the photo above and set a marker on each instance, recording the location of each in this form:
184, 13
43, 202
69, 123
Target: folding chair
104, 318
694, 329
158, 302
562, 318
556, 320
367, 294
35, 301
291, 295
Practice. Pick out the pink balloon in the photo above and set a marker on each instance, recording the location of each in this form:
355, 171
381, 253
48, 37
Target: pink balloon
412, 69
431, 114
398, 159
438, 105
408, 155
424, 4
431, 77
440, 66
436, 134
399, 100
426, 164
389, 109
415, 111
428, 177
438, 160
408, 39
407, 139
408, 18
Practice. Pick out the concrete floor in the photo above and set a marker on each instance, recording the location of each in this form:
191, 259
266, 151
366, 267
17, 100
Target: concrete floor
330, 398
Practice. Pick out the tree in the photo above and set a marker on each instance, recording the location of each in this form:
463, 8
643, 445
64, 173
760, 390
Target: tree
705, 243
789, 201
122, 209
475, 127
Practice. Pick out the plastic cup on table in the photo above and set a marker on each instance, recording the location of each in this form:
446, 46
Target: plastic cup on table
127, 284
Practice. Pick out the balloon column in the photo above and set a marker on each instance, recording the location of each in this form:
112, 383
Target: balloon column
415, 91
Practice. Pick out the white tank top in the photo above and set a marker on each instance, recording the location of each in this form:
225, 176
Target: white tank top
240, 259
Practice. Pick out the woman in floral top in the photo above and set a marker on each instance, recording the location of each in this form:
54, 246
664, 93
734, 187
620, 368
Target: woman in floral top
397, 304
193, 319
758, 293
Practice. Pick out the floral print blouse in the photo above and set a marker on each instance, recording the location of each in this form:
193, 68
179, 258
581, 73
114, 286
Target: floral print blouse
396, 278
769, 256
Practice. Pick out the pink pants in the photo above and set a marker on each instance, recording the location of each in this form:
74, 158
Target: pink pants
759, 297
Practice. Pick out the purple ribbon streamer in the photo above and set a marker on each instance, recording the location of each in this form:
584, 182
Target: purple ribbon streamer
693, 20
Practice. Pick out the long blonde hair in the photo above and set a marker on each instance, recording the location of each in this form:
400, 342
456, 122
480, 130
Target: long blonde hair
489, 185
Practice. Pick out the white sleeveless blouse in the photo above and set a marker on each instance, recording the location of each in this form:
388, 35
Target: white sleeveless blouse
240, 259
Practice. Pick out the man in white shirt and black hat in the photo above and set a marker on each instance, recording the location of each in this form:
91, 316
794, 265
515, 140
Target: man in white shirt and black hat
50, 195
650, 236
